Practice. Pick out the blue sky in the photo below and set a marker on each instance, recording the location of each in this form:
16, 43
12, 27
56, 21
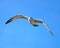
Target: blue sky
21, 34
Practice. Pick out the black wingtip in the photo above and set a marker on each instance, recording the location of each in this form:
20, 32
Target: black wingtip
8, 21
52, 33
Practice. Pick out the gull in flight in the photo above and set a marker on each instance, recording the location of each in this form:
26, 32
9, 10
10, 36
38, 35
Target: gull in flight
31, 21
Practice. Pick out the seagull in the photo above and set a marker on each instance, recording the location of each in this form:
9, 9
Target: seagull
31, 21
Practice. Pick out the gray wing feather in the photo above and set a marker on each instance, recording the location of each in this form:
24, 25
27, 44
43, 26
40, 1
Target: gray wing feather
16, 17
44, 23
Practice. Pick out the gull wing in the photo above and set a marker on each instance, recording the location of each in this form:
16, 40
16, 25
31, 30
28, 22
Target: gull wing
16, 17
44, 23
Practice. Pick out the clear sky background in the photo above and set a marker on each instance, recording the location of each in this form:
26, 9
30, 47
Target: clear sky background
21, 34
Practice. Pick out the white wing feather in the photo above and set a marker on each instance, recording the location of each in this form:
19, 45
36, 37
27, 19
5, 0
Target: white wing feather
44, 23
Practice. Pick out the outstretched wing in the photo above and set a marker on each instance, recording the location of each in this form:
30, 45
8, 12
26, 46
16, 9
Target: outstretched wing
16, 17
44, 23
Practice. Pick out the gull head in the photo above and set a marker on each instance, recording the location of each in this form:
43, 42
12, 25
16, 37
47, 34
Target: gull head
30, 18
